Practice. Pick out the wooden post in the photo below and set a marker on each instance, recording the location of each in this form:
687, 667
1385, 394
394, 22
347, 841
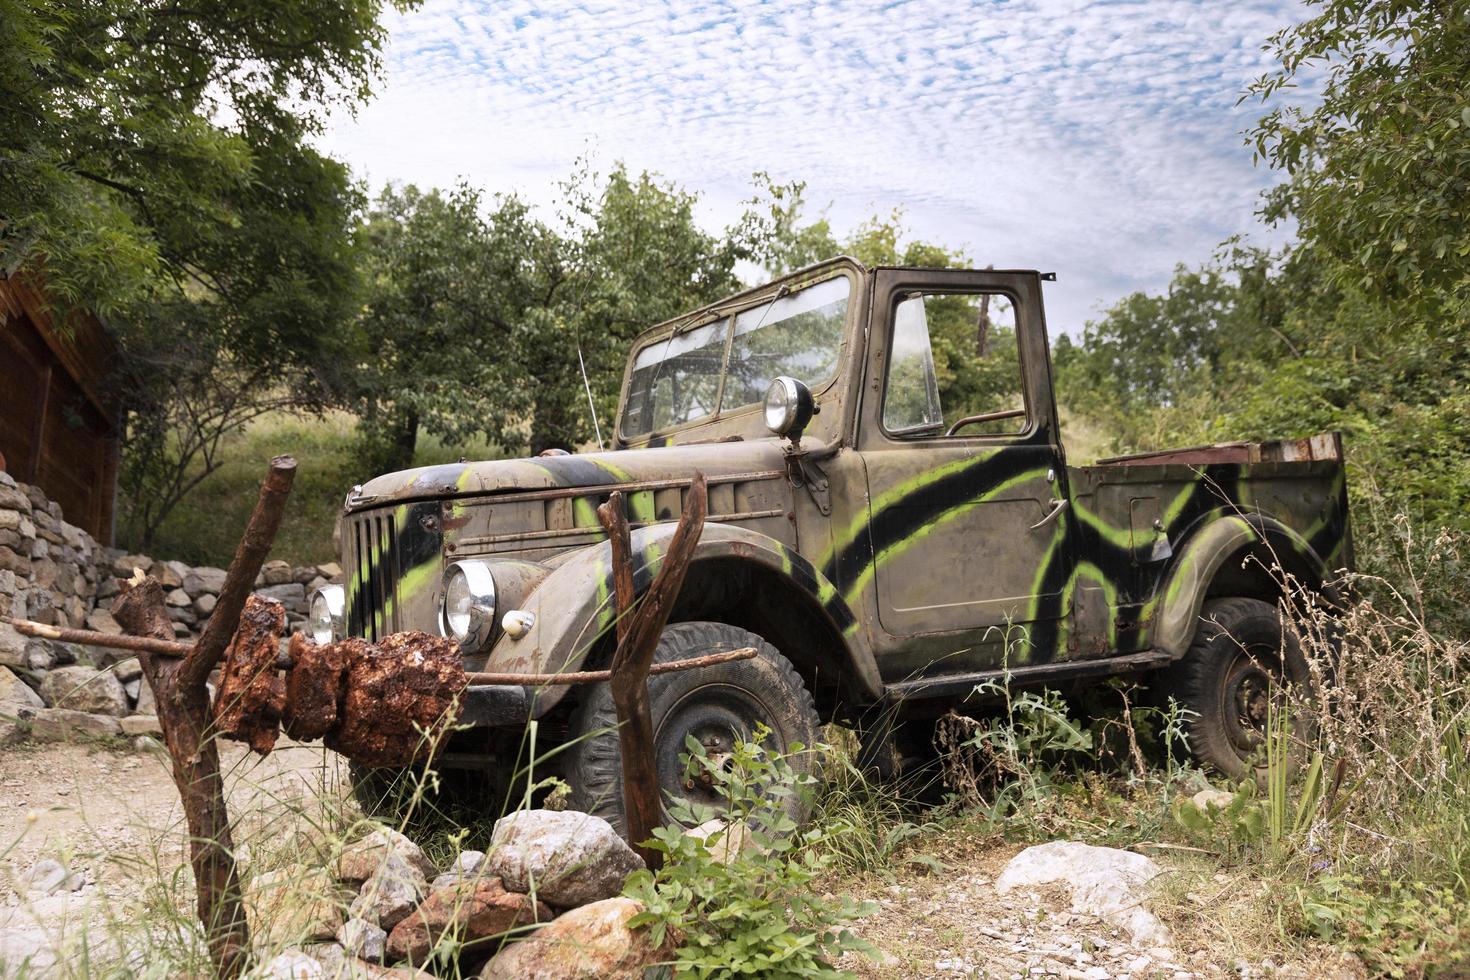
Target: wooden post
184, 714
638, 634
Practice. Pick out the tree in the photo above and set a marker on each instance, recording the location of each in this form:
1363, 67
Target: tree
155, 166
1379, 168
448, 290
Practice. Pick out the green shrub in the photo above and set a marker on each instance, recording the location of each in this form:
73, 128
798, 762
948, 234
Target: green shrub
757, 913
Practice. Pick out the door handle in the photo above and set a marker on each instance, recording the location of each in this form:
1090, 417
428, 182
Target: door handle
1057, 506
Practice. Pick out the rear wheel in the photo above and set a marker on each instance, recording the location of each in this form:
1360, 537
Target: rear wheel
1237, 669
717, 706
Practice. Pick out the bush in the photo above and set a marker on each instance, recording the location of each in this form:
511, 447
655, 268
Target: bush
753, 912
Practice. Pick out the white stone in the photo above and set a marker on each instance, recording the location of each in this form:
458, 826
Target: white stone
293, 965
46, 877
393, 891
361, 938
1104, 881
572, 858
361, 859
1206, 798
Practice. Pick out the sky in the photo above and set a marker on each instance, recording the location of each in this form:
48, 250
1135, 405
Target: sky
1098, 140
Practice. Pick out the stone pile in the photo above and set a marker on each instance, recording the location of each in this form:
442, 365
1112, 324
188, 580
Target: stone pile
544, 902
54, 573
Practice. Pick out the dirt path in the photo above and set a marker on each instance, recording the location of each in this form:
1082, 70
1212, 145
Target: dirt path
113, 817
97, 805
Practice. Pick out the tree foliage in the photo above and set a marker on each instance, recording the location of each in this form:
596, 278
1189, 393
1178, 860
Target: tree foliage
1378, 168
155, 166
1360, 326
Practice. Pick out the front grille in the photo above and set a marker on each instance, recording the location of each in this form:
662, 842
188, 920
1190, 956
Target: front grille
372, 607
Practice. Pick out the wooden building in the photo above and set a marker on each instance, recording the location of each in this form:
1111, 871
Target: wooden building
56, 430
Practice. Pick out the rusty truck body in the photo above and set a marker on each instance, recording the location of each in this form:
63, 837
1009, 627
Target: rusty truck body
891, 517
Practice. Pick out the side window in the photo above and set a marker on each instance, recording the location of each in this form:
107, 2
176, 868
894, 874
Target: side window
954, 364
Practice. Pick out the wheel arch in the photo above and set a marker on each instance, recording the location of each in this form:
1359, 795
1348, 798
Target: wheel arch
1233, 554
737, 576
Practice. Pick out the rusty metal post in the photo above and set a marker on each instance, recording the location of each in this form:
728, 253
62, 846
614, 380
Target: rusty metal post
638, 635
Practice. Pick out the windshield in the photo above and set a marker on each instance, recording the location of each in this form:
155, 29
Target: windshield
678, 379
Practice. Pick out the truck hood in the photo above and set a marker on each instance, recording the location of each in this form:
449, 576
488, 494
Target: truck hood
617, 468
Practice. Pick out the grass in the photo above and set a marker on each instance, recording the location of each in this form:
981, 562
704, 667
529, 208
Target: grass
205, 527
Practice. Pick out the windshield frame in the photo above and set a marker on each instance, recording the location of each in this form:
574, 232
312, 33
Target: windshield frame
728, 310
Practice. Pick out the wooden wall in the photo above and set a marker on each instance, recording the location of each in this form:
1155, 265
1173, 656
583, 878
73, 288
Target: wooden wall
55, 429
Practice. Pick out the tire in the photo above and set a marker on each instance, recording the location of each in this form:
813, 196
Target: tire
1234, 668
715, 704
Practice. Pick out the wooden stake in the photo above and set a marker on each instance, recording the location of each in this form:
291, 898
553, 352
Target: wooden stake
638, 635
184, 715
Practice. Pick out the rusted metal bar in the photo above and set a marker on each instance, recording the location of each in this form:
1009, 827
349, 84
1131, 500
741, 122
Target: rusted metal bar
137, 644
174, 648
602, 676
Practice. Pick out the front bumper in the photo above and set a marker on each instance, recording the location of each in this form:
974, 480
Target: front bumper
495, 706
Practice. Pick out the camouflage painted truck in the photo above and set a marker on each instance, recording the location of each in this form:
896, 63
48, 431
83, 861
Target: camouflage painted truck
888, 538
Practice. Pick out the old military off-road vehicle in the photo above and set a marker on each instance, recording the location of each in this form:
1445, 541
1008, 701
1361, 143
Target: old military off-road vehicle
892, 523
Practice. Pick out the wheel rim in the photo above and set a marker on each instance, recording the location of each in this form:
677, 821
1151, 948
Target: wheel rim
1251, 683
717, 716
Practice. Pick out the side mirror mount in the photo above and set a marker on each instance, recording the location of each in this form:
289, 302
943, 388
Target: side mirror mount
789, 408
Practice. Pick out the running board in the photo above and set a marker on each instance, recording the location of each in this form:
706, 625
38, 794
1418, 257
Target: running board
950, 685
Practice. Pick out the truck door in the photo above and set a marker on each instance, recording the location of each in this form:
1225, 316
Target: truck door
966, 478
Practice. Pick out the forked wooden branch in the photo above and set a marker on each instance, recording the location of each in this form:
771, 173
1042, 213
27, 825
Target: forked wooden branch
638, 634
184, 715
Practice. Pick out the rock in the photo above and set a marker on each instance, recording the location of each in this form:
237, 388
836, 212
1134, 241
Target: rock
140, 725
14, 693
146, 704
46, 877
275, 572
588, 943
293, 905
475, 911
293, 965
340, 966
146, 745
468, 864
331, 570
303, 574
80, 688
178, 598
101, 621
292, 595
12, 498
734, 838
62, 724
359, 861
393, 891
130, 672
17, 701
361, 938
1104, 881
204, 580
574, 858
1217, 798
170, 574
204, 605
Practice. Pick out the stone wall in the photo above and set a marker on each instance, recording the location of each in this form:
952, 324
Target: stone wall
54, 573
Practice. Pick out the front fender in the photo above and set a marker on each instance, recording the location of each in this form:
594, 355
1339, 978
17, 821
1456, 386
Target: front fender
1205, 552
574, 605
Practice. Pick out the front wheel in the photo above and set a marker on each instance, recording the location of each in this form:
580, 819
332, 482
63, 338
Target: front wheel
1236, 672
717, 706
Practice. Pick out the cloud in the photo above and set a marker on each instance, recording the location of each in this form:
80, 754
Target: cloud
1098, 140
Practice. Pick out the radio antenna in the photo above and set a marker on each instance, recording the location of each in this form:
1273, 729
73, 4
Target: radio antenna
591, 406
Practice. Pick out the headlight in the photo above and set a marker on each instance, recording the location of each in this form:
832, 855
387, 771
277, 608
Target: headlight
788, 407
468, 616
324, 621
